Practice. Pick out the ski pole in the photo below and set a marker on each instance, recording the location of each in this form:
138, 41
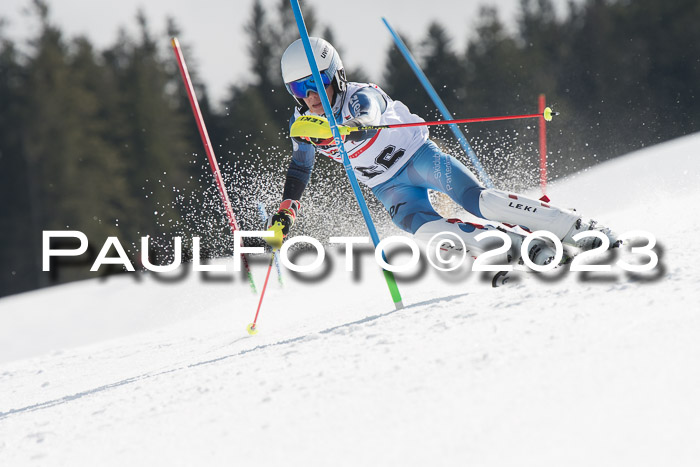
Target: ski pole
276, 243
263, 218
208, 148
252, 329
547, 114
313, 126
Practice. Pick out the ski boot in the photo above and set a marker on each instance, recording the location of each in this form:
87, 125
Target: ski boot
590, 243
539, 252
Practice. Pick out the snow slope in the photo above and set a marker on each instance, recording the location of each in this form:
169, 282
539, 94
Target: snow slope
601, 369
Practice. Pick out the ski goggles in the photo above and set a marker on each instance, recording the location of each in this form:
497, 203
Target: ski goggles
302, 87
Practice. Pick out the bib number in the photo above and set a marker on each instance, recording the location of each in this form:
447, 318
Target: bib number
383, 162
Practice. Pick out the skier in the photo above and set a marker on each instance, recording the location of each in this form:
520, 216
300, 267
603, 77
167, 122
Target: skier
400, 165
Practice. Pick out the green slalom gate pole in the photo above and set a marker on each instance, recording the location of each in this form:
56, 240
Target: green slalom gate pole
388, 275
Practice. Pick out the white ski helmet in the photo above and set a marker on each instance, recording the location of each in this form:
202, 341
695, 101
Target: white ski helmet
295, 68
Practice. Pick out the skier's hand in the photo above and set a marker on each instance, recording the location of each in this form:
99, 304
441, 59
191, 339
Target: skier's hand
282, 221
283, 218
358, 135
353, 123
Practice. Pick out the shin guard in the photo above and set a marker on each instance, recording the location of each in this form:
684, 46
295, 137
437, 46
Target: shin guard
532, 214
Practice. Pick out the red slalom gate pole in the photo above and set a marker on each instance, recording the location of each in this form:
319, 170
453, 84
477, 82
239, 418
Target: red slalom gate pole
208, 148
543, 145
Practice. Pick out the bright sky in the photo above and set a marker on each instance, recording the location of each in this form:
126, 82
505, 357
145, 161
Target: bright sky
211, 27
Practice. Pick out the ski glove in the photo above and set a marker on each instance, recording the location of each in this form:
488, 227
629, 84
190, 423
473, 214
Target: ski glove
359, 135
286, 215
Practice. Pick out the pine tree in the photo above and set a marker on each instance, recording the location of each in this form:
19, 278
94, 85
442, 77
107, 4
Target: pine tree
256, 124
75, 177
151, 127
402, 84
20, 255
443, 67
494, 67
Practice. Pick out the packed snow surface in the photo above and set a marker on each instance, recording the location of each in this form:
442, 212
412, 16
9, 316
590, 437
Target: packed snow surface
576, 369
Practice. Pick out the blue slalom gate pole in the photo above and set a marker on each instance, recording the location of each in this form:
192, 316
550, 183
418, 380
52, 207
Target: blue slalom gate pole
388, 275
439, 104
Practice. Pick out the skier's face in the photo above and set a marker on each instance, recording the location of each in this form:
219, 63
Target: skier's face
313, 101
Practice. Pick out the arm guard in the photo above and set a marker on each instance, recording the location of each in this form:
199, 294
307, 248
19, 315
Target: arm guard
367, 107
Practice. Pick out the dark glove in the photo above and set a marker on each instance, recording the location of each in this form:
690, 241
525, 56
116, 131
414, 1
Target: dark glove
286, 215
358, 135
